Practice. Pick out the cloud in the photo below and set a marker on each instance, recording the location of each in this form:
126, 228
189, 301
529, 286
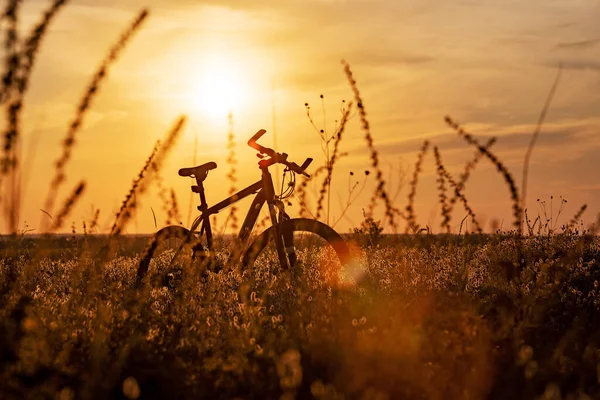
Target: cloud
578, 136
592, 65
579, 45
591, 187
382, 58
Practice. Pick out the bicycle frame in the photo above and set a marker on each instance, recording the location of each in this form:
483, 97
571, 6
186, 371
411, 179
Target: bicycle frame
265, 192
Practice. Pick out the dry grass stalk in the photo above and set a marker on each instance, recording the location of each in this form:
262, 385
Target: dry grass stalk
301, 193
530, 226
17, 76
170, 140
84, 105
9, 160
163, 196
325, 141
231, 175
353, 193
68, 206
130, 203
10, 166
15, 83
594, 228
463, 199
443, 197
400, 172
380, 192
577, 216
459, 194
33, 41
11, 39
411, 219
320, 132
163, 151
535, 135
191, 195
94, 220
464, 177
335, 156
174, 209
149, 172
514, 192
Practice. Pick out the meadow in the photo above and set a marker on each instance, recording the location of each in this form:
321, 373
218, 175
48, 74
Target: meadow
447, 315
435, 319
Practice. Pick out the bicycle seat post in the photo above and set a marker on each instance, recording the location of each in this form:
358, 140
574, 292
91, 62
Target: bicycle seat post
199, 188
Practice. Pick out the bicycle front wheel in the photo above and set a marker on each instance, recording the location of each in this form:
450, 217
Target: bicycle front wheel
309, 245
170, 248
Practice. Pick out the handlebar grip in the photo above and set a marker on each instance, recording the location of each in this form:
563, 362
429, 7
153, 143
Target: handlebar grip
306, 163
300, 169
252, 142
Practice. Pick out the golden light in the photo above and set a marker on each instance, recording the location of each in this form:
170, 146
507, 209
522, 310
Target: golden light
219, 86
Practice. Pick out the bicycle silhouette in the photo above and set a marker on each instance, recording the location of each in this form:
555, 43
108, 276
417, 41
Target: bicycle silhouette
291, 238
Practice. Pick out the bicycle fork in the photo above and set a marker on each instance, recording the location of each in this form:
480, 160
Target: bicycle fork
283, 235
285, 232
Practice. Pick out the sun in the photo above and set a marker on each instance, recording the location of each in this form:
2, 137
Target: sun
217, 87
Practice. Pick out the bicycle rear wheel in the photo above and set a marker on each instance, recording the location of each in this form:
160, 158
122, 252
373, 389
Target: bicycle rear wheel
309, 244
171, 249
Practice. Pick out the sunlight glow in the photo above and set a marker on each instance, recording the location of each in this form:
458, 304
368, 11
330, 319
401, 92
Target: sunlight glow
218, 87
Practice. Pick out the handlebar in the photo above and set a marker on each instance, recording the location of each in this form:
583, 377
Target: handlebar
280, 158
252, 143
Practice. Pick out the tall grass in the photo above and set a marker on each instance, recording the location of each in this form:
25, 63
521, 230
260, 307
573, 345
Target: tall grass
331, 149
68, 206
442, 176
84, 105
577, 217
10, 168
163, 195
33, 42
130, 203
149, 172
11, 41
411, 217
464, 176
232, 174
20, 56
381, 192
174, 213
458, 195
331, 160
508, 178
535, 135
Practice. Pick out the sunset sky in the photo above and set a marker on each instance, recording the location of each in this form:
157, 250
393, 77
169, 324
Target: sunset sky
488, 64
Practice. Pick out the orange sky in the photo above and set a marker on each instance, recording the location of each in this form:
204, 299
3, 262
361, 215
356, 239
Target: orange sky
488, 64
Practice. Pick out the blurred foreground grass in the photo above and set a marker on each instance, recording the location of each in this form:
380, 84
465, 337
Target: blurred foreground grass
437, 318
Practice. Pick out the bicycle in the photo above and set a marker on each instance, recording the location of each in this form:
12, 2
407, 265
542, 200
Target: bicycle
288, 235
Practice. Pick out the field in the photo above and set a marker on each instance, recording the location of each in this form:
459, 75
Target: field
449, 312
433, 319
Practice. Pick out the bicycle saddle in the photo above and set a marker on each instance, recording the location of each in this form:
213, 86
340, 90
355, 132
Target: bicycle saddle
200, 171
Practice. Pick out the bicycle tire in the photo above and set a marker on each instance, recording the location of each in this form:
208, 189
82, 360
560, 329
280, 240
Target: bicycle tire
299, 225
173, 232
